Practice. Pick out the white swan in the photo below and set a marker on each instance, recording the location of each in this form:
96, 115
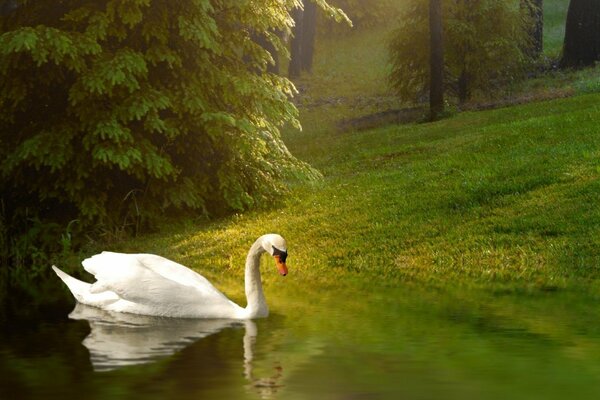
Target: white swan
152, 285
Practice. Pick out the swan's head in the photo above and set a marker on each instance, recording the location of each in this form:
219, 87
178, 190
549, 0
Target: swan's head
275, 245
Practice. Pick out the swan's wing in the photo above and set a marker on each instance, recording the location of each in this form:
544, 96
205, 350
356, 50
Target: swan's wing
177, 273
150, 279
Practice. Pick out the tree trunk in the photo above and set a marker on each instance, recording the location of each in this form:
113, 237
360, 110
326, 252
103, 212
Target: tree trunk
463, 87
7, 7
582, 34
436, 71
295, 66
535, 8
309, 27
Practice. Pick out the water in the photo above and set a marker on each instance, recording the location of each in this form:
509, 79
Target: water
330, 343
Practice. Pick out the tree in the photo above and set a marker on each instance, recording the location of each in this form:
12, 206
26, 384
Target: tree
582, 34
114, 111
303, 40
478, 55
436, 70
309, 28
535, 10
538, 24
295, 66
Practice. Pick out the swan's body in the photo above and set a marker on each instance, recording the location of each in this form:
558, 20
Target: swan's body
148, 284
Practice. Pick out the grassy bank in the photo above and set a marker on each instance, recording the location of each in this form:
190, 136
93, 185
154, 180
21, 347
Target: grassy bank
504, 200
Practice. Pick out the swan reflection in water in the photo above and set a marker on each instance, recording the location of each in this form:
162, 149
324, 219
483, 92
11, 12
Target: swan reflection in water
118, 340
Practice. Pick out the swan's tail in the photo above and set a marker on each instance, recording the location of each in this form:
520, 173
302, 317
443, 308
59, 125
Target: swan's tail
81, 291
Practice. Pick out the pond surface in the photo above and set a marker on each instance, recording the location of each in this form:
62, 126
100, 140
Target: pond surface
328, 344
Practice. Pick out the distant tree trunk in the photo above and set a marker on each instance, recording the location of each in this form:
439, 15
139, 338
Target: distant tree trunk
303, 41
535, 8
582, 34
436, 86
309, 28
295, 66
7, 7
463, 87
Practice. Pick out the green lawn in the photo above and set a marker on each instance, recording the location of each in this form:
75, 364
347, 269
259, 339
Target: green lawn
504, 199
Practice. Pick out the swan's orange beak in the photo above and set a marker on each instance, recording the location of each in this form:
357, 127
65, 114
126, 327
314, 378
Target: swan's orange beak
280, 265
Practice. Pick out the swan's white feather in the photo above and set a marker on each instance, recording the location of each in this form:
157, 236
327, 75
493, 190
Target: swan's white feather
148, 284
81, 291
147, 278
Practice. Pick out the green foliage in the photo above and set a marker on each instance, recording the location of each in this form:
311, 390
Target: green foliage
485, 43
116, 109
115, 112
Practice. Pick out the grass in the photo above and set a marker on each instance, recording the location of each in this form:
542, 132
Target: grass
503, 199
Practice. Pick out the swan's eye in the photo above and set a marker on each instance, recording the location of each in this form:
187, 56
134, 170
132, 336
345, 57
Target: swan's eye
282, 254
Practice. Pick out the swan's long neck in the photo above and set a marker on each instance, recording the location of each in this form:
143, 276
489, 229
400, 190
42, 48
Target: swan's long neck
257, 304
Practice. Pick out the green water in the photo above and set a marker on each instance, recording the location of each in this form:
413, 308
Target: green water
330, 343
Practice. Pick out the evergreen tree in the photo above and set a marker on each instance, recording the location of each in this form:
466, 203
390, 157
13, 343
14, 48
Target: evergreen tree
115, 110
